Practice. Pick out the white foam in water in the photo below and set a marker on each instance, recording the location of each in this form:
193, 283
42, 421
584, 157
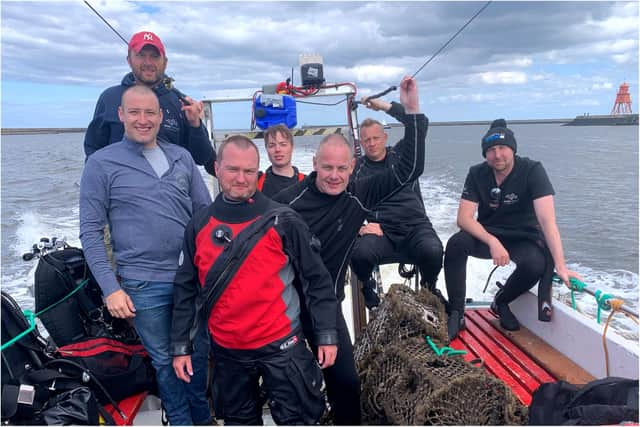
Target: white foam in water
441, 195
32, 227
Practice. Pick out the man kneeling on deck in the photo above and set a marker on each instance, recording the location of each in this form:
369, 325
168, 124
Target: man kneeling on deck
238, 262
516, 221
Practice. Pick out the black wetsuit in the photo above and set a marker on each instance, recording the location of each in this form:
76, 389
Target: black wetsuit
270, 183
408, 235
510, 216
335, 220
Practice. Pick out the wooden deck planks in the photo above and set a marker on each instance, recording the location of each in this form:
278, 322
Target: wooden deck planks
501, 357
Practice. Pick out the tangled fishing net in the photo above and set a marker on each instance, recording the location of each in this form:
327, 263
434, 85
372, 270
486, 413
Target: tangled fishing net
403, 380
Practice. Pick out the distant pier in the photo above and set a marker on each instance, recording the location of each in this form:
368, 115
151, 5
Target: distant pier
37, 131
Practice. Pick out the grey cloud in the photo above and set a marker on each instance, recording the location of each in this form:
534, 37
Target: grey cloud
242, 45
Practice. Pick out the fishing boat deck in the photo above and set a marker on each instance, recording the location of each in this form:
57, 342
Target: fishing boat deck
520, 359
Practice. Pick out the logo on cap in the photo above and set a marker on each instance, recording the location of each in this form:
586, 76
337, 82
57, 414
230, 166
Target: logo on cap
148, 36
494, 137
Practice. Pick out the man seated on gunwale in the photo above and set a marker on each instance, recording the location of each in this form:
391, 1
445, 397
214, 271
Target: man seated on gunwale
513, 199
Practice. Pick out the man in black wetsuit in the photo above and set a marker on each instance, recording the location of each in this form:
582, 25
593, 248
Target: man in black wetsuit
398, 229
335, 209
278, 140
516, 221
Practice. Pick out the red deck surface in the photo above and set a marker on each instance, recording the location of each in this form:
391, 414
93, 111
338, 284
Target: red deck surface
501, 357
129, 406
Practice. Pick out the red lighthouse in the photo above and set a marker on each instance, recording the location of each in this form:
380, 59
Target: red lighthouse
623, 101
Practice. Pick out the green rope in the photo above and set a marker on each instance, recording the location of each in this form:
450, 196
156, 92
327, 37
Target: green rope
603, 302
576, 286
31, 317
446, 351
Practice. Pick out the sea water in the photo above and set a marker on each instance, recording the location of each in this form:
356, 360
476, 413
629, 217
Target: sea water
594, 171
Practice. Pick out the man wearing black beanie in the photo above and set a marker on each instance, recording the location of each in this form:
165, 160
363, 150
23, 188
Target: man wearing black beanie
515, 221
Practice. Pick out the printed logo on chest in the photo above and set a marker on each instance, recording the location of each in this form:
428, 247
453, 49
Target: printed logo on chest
511, 199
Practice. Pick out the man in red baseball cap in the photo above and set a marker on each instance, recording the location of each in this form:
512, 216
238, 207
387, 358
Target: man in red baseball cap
147, 58
181, 124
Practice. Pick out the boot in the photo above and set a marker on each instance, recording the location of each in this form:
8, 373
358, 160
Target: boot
455, 323
371, 299
507, 319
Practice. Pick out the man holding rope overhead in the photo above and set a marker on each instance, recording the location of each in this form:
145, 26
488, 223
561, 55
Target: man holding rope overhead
399, 229
335, 209
516, 220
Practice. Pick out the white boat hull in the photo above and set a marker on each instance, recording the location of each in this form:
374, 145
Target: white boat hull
579, 338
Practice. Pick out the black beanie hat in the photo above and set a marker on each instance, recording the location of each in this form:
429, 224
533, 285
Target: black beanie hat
498, 134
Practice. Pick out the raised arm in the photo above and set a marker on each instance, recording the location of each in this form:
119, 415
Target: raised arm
410, 149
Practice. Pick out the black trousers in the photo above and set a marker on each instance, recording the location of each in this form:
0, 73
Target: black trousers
528, 256
421, 247
291, 379
343, 383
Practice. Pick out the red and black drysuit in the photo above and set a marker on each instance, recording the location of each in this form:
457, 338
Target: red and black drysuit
255, 324
270, 183
336, 220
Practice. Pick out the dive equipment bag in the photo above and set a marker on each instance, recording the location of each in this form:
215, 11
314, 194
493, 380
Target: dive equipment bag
35, 388
123, 369
610, 400
82, 314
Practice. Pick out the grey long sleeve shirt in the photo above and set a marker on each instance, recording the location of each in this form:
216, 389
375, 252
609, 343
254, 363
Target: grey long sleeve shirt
146, 214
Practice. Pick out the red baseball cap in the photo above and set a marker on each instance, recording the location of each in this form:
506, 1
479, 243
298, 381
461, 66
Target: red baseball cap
143, 38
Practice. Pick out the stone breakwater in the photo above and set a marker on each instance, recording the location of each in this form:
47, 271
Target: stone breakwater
34, 131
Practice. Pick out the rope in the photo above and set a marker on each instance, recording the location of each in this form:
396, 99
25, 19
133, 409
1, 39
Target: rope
31, 317
486, 285
444, 351
452, 37
603, 302
615, 305
578, 286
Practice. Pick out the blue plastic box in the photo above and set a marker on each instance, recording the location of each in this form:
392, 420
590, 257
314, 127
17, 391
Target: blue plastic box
271, 110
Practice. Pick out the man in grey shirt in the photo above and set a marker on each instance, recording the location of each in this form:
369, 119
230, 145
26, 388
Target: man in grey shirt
147, 191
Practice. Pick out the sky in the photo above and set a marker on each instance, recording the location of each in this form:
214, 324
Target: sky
517, 60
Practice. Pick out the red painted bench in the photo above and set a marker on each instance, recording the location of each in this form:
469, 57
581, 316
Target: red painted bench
502, 358
129, 406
